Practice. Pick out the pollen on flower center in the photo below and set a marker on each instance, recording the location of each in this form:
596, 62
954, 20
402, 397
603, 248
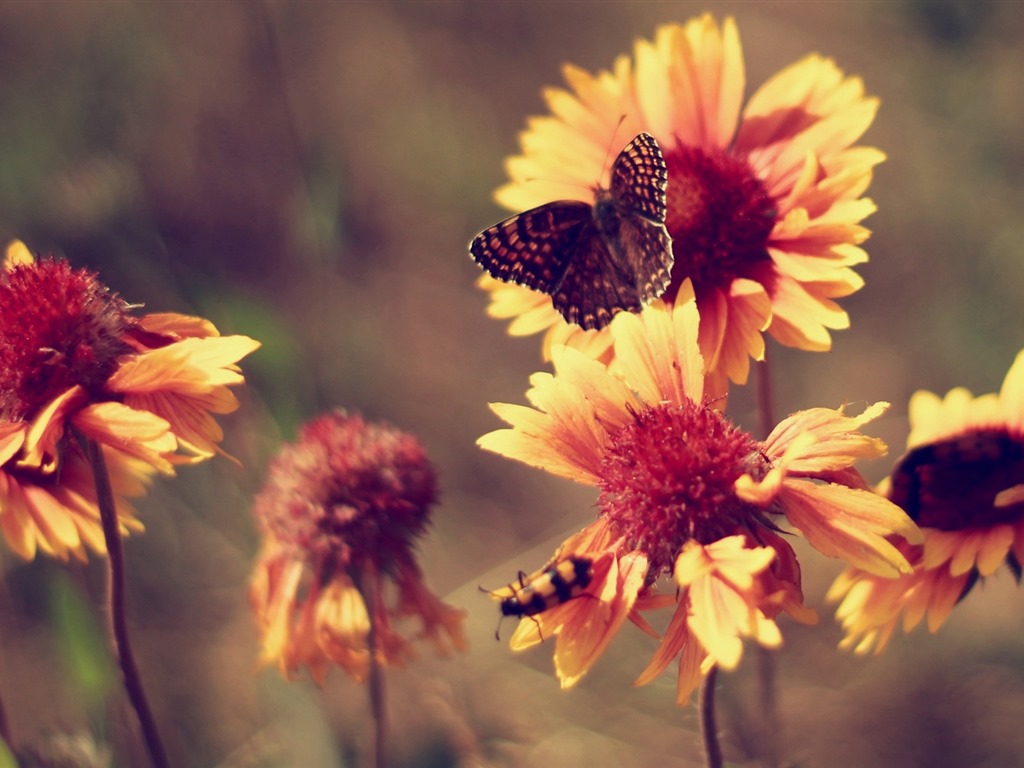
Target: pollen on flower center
58, 327
348, 490
668, 478
719, 215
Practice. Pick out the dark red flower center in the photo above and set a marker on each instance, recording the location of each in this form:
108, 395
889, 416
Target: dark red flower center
58, 327
719, 216
348, 492
668, 478
956, 483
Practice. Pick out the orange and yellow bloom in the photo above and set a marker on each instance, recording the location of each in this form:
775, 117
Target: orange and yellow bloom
764, 199
687, 495
340, 513
962, 480
75, 365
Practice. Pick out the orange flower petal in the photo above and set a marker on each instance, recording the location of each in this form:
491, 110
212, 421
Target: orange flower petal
583, 640
17, 255
193, 366
850, 524
138, 433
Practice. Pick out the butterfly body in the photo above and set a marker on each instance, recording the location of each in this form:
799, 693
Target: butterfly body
592, 259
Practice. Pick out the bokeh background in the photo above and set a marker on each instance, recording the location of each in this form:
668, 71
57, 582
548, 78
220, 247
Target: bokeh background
309, 174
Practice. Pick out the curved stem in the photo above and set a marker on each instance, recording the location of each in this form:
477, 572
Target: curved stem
708, 727
115, 593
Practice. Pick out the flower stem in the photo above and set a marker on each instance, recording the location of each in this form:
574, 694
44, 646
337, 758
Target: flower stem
366, 584
769, 707
115, 592
708, 727
766, 678
765, 396
5, 727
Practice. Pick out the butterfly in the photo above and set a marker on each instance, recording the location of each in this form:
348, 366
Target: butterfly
592, 260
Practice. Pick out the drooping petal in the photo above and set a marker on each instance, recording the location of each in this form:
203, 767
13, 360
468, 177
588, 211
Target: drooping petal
724, 604
850, 524
142, 434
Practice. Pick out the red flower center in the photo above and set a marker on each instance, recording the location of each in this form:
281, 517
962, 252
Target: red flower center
719, 215
58, 327
668, 477
349, 491
955, 484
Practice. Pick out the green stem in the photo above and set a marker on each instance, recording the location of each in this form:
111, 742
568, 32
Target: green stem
115, 593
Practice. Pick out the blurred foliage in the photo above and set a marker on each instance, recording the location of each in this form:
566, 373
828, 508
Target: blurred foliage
89, 672
309, 174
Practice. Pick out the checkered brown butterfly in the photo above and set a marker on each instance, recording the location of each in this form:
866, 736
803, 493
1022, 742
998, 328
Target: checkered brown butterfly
592, 260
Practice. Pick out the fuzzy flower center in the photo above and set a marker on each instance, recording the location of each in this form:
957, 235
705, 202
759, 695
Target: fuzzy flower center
349, 492
58, 327
962, 482
719, 215
668, 478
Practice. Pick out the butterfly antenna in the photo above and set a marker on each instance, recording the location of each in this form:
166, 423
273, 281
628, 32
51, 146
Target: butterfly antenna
611, 145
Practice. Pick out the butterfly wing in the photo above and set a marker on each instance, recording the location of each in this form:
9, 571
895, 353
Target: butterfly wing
534, 248
640, 179
644, 249
596, 260
634, 223
594, 288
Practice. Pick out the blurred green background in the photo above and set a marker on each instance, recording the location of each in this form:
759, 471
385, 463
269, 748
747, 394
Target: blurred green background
309, 174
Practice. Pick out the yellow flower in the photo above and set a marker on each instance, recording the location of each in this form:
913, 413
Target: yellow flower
962, 481
75, 362
764, 200
340, 512
686, 494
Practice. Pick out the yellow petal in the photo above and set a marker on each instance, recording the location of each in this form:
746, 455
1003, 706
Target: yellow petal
17, 255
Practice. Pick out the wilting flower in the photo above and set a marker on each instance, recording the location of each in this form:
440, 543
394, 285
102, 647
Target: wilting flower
764, 201
76, 365
686, 494
340, 513
962, 481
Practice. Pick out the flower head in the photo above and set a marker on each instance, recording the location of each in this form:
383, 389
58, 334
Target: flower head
341, 511
76, 364
685, 494
764, 200
962, 481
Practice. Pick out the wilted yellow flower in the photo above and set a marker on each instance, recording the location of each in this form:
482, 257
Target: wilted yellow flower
340, 513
